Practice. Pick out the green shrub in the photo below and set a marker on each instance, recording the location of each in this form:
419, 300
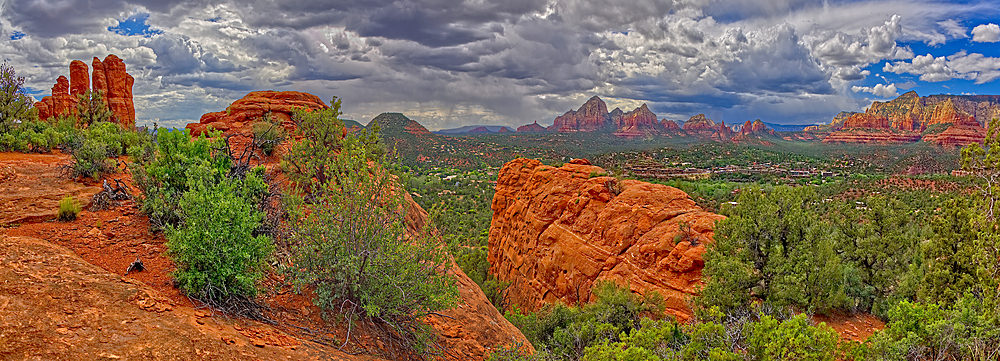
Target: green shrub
791, 339
69, 208
348, 237
565, 332
215, 249
268, 134
164, 178
91, 160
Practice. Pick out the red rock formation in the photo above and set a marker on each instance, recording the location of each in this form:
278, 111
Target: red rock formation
254, 106
723, 133
531, 128
556, 231
639, 122
100, 79
913, 114
670, 126
863, 136
756, 127
119, 95
504, 130
109, 78
864, 120
699, 123
591, 116
479, 130
79, 78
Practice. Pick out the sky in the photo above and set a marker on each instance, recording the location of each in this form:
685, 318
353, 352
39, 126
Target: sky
449, 63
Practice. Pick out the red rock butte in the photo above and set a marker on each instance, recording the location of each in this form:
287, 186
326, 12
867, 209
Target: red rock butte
109, 78
557, 231
254, 107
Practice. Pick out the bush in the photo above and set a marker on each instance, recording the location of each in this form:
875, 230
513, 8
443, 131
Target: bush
565, 332
216, 252
268, 134
164, 178
349, 239
91, 160
69, 208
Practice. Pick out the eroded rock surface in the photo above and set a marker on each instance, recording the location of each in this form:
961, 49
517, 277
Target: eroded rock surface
241, 114
109, 77
556, 231
31, 186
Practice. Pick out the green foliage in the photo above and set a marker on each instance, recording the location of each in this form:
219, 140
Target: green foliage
215, 249
925, 331
69, 208
792, 339
786, 258
268, 134
91, 108
513, 352
91, 160
15, 104
164, 178
565, 332
950, 253
349, 237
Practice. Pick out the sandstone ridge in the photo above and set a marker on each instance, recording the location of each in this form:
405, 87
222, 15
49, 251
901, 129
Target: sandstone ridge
556, 231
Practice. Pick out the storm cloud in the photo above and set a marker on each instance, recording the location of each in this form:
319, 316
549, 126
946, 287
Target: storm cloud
454, 62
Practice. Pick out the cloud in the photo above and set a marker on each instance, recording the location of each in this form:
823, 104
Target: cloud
954, 29
986, 33
879, 90
961, 65
453, 62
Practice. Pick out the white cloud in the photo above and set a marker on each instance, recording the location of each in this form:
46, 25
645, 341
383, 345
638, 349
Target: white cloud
986, 33
954, 29
879, 90
961, 65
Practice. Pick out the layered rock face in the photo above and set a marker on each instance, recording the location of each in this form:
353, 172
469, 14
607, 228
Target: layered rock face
699, 123
670, 126
254, 106
903, 119
591, 116
636, 123
531, 128
864, 120
109, 77
755, 127
557, 231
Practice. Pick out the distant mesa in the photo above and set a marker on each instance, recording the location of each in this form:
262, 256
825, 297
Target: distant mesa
531, 128
109, 78
476, 129
240, 115
950, 120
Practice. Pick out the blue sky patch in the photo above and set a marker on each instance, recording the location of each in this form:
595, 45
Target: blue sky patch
17, 35
135, 25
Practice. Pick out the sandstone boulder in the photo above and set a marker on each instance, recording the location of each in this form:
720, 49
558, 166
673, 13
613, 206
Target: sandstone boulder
557, 231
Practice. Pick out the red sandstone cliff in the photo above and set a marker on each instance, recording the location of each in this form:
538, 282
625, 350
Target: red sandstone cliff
904, 119
638, 122
699, 124
591, 116
555, 231
109, 77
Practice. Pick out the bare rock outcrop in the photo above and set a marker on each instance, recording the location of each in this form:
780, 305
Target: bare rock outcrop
253, 107
557, 231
